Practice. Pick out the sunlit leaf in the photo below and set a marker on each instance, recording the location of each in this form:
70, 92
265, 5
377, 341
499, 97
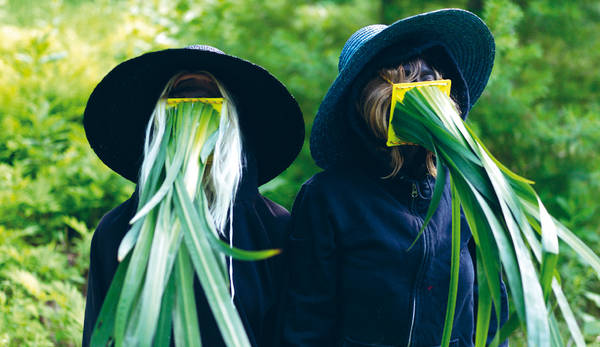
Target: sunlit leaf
173, 232
503, 212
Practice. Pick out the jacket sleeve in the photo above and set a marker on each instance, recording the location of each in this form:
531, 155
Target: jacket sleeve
103, 263
310, 304
278, 228
99, 278
503, 296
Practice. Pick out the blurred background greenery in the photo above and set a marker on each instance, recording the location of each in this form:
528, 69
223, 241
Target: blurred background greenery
540, 114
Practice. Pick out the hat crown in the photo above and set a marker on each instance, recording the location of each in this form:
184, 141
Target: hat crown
355, 41
205, 48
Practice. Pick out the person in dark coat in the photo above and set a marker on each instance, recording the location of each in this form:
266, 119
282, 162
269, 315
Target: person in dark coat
115, 120
355, 280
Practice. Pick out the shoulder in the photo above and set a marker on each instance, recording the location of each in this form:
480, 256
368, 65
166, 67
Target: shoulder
274, 209
114, 225
261, 216
335, 185
335, 179
104, 247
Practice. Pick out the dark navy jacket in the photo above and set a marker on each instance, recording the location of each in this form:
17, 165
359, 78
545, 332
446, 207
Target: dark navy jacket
355, 282
258, 224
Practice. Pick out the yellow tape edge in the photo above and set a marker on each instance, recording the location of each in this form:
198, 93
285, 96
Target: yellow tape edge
216, 103
398, 92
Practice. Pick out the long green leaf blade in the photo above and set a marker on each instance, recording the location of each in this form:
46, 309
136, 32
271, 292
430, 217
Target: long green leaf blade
454, 267
568, 314
185, 317
165, 244
133, 278
484, 305
209, 273
163, 328
105, 324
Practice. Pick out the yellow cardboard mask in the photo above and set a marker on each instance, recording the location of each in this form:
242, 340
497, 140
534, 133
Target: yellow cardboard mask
399, 90
216, 103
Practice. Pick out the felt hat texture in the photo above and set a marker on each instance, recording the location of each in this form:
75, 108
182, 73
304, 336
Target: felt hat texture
456, 42
119, 108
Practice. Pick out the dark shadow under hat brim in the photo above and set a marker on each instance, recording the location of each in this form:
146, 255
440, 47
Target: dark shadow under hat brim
466, 39
120, 106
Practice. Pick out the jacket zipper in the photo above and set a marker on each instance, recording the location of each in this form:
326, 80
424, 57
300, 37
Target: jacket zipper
414, 194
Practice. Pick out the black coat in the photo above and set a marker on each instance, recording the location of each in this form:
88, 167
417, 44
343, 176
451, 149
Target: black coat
258, 224
355, 282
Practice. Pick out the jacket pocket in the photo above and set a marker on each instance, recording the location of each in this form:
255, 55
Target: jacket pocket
453, 343
349, 342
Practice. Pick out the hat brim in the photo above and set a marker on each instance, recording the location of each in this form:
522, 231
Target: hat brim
466, 39
120, 106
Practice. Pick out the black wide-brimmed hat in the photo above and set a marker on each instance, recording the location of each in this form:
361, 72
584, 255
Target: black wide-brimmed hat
456, 42
120, 107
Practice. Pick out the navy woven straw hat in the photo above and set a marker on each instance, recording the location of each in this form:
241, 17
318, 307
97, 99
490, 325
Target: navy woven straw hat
455, 42
120, 107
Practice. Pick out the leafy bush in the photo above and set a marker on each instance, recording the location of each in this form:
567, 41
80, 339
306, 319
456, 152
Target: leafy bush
540, 115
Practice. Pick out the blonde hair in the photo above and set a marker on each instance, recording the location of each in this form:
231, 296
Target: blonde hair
374, 107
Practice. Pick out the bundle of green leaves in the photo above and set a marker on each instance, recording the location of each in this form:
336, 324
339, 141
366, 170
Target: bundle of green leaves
173, 237
507, 219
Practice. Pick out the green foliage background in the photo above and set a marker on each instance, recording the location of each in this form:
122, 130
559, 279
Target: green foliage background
540, 115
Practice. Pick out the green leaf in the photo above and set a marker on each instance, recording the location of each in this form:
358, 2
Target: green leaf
209, 146
484, 241
568, 314
146, 189
509, 327
484, 305
205, 221
209, 272
163, 328
471, 173
501, 208
555, 331
133, 278
438, 189
454, 267
538, 331
165, 245
549, 249
104, 328
586, 254
129, 240
185, 317
171, 173
500, 165
593, 297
